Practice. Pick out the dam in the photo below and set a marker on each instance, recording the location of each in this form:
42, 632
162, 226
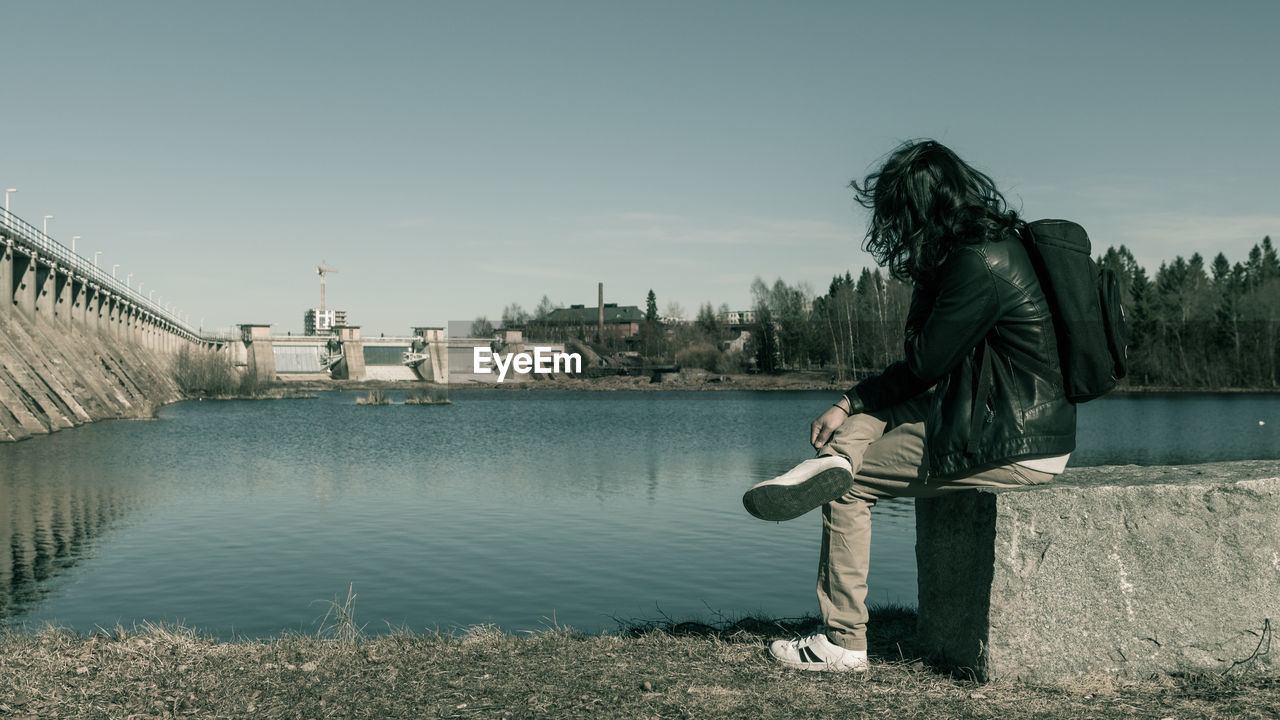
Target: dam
78, 344
343, 355
426, 355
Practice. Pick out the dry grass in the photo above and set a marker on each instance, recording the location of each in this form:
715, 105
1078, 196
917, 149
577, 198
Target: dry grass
201, 373
687, 670
434, 395
376, 396
208, 374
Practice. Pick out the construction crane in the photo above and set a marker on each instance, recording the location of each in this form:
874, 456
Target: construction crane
322, 271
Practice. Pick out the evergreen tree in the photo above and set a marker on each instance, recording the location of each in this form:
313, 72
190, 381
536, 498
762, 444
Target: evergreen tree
652, 334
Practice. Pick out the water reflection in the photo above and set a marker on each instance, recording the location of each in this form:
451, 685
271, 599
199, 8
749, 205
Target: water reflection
49, 524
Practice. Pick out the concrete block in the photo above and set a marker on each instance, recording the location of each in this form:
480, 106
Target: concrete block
1123, 571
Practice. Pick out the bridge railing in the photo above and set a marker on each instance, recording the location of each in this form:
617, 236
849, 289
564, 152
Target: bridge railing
23, 233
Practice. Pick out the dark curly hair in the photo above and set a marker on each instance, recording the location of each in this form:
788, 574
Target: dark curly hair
924, 202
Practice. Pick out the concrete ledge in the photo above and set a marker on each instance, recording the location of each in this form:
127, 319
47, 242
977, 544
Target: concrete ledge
1125, 571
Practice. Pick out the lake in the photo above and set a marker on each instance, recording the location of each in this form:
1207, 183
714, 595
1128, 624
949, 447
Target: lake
519, 509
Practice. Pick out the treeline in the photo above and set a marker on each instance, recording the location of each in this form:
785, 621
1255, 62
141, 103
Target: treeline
1197, 326
856, 327
534, 324
1192, 325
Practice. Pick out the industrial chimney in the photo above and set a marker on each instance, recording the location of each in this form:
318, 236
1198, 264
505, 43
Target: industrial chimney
601, 316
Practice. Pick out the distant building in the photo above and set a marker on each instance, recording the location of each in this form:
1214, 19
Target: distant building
737, 318
321, 322
619, 321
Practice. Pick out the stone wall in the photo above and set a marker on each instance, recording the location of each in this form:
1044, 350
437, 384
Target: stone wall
59, 375
1123, 571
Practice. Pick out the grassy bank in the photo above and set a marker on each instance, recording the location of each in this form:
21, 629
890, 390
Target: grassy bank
682, 671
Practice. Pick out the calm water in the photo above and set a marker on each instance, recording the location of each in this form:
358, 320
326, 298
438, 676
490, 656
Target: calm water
518, 509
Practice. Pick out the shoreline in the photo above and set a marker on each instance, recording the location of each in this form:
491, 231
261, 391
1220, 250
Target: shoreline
682, 670
702, 382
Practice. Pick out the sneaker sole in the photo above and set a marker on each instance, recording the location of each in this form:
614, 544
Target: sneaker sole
777, 502
819, 666
822, 667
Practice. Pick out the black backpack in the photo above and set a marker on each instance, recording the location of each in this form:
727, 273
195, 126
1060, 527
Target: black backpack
1085, 302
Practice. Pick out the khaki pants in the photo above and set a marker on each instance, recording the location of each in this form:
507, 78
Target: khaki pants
887, 452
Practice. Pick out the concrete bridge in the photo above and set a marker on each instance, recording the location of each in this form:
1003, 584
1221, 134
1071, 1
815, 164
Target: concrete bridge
47, 282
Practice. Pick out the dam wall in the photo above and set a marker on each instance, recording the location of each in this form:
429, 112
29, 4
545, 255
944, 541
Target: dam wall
54, 377
76, 344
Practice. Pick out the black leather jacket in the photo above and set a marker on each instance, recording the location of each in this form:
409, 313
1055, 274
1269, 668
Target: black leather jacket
981, 329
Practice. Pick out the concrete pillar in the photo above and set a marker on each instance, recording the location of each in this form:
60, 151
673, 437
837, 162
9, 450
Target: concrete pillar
111, 315
79, 291
262, 358
92, 301
436, 369
46, 293
24, 284
6, 278
100, 312
352, 365
106, 320
63, 284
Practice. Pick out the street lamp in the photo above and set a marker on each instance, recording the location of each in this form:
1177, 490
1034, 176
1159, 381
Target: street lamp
152, 296
6, 197
47, 218
113, 270
139, 287
127, 278
96, 253
74, 238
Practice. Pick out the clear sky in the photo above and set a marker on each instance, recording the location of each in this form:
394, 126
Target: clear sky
450, 158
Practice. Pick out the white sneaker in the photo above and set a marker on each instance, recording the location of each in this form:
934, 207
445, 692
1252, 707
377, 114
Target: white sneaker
813, 483
816, 652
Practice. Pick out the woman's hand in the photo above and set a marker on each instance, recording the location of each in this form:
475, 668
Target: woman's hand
826, 424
